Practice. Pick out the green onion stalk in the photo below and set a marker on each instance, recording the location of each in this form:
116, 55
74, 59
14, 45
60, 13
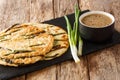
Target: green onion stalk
74, 36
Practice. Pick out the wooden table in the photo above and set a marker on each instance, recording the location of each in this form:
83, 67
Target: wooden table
101, 65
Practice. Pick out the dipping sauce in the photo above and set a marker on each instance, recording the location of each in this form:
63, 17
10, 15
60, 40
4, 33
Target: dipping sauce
96, 20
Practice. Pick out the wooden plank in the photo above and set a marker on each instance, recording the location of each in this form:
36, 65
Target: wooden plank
104, 64
12, 12
62, 7
117, 58
2, 9
41, 10
45, 74
69, 70
115, 6
96, 5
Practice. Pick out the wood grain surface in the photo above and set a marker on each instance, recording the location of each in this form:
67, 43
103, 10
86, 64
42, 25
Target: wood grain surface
101, 65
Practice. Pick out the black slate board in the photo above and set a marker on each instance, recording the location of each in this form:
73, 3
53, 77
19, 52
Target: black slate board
10, 72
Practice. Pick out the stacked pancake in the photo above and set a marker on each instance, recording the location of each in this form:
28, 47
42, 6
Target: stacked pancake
29, 43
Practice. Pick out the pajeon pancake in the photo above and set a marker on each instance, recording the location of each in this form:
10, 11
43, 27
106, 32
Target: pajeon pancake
25, 41
59, 44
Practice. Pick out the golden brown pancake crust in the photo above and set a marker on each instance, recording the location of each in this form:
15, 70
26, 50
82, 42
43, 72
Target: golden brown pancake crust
31, 42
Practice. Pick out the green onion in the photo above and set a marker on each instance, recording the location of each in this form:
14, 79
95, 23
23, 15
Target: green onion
80, 46
74, 37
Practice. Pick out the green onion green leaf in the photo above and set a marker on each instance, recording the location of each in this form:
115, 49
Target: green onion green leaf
74, 36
